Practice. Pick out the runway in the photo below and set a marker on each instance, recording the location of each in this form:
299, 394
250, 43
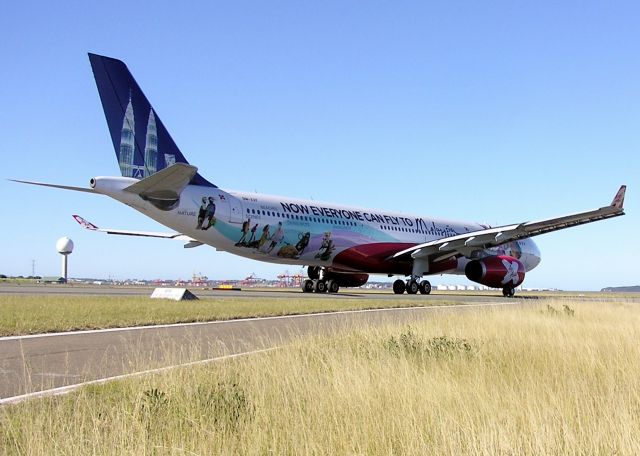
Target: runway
97, 290
42, 362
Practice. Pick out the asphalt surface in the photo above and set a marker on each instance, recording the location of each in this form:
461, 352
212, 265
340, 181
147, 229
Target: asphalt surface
42, 362
98, 290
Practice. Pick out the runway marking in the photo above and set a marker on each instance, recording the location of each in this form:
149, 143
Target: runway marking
243, 320
63, 390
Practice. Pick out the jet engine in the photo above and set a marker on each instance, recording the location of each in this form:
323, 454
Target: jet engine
500, 271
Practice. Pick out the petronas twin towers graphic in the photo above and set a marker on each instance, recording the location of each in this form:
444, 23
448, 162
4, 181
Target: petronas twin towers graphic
126, 158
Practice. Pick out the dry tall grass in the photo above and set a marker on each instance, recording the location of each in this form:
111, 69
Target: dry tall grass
535, 380
34, 314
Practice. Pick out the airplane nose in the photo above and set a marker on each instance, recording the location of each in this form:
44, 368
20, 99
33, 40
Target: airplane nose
533, 255
534, 261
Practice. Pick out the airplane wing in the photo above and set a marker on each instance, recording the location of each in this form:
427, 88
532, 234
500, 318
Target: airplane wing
465, 244
178, 236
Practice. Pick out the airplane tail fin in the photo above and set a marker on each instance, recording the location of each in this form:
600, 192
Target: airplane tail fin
142, 144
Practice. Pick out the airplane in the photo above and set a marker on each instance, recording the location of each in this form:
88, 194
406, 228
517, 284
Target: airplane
341, 246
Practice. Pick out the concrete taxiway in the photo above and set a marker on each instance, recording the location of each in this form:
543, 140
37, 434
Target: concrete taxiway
43, 362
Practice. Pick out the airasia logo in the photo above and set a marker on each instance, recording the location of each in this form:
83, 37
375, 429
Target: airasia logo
512, 272
496, 271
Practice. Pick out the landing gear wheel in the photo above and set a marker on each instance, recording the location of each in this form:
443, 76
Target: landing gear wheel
320, 286
508, 292
398, 286
333, 286
412, 287
425, 287
307, 286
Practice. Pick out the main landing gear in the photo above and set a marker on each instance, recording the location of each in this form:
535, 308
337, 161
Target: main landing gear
508, 292
411, 286
316, 283
320, 286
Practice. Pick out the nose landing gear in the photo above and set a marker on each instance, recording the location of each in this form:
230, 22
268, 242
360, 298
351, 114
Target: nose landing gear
508, 292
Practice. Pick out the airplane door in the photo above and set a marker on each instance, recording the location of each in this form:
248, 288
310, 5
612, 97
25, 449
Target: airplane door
235, 210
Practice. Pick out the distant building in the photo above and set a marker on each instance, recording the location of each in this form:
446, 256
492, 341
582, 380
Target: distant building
52, 279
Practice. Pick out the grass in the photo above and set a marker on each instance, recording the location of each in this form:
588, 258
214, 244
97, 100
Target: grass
25, 314
543, 379
18, 281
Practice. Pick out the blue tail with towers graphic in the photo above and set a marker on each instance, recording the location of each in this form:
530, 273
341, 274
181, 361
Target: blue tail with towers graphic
142, 144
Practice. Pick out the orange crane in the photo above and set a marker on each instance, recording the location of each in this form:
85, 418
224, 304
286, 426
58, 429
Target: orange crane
287, 280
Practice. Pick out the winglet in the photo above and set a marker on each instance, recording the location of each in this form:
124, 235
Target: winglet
618, 200
85, 224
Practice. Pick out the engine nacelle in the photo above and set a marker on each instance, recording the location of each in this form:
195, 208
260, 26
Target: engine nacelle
496, 271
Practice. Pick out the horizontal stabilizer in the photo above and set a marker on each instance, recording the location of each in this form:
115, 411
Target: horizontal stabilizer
165, 184
178, 236
63, 187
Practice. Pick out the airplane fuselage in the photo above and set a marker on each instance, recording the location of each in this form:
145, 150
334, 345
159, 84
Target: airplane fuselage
305, 232
342, 245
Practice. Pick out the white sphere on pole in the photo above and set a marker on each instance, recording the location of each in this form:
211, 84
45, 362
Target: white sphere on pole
64, 246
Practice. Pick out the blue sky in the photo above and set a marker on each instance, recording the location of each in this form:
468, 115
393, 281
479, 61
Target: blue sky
495, 112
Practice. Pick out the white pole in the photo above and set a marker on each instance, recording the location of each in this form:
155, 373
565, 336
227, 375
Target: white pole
64, 267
